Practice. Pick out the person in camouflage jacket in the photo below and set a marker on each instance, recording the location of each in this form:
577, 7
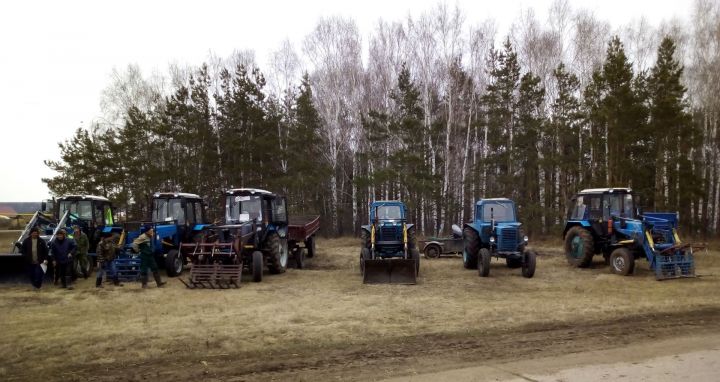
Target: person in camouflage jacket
81, 263
144, 245
106, 250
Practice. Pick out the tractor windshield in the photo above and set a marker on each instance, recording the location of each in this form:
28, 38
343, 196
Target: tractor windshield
498, 211
389, 213
620, 205
168, 210
240, 209
81, 208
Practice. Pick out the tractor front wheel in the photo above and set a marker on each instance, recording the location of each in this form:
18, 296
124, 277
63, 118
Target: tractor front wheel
579, 247
622, 262
278, 251
528, 263
471, 248
173, 263
257, 266
364, 255
483, 263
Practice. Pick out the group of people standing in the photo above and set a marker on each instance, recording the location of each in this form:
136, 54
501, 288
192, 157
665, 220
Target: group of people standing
70, 254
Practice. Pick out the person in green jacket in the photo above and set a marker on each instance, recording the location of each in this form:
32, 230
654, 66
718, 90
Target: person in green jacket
144, 245
81, 265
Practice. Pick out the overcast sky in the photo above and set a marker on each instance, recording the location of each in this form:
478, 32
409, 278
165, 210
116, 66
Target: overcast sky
57, 56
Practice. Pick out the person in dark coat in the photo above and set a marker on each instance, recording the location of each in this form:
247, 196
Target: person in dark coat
61, 250
35, 251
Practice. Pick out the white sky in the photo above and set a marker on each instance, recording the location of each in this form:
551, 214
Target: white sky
56, 56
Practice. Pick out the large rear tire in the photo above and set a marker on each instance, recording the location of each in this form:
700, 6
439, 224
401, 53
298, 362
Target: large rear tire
257, 266
173, 263
579, 247
528, 263
310, 246
483, 263
278, 251
471, 247
622, 262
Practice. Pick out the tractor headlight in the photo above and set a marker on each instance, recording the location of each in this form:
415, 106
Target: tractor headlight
525, 239
492, 239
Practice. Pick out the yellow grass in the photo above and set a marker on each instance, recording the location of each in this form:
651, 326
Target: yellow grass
326, 305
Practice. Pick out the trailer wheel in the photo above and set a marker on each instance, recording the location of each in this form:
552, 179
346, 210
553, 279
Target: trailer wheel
173, 263
528, 263
471, 247
257, 266
579, 247
278, 251
432, 251
483, 263
622, 262
299, 258
310, 246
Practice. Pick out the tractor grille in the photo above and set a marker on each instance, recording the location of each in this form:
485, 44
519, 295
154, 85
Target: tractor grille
389, 234
508, 240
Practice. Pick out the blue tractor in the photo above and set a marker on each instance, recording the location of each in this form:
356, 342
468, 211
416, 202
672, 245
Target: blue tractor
606, 221
495, 231
389, 252
176, 218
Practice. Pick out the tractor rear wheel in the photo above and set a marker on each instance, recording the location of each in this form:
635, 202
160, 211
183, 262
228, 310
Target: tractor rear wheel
622, 262
278, 251
528, 263
310, 246
471, 248
257, 266
513, 262
579, 247
173, 263
432, 251
299, 258
483, 263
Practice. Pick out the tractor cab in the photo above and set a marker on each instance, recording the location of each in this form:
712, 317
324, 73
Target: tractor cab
252, 205
496, 221
179, 212
389, 219
94, 214
598, 208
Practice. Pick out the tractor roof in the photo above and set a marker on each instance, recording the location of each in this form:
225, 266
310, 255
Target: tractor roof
84, 197
606, 190
388, 202
495, 200
248, 191
176, 195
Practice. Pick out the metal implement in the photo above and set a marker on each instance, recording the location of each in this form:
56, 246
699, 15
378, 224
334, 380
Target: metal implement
389, 271
216, 265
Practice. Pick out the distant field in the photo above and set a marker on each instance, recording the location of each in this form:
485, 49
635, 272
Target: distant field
295, 325
7, 238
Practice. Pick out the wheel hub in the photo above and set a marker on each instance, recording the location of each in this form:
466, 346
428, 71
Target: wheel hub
619, 263
577, 248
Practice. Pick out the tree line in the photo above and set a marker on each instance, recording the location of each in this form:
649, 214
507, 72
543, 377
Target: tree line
438, 115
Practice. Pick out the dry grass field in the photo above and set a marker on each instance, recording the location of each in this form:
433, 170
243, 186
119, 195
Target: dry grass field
321, 322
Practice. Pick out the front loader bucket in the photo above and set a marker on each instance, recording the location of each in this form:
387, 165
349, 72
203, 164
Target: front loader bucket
674, 265
389, 271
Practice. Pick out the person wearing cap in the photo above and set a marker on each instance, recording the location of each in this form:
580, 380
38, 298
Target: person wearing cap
144, 245
80, 261
106, 251
61, 250
35, 251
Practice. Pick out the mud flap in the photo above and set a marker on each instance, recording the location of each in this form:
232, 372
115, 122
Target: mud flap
390, 271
